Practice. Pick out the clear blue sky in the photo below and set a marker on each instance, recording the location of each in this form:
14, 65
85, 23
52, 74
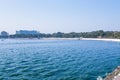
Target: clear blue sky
50, 16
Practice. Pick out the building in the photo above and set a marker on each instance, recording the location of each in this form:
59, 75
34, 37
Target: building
27, 32
4, 34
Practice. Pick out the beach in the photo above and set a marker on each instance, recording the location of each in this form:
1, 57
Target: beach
102, 39
97, 39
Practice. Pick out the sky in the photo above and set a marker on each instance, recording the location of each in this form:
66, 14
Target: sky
49, 16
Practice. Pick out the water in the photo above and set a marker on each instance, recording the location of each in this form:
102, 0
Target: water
57, 59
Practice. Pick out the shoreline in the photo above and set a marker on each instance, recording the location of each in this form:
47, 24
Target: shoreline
102, 39
93, 39
114, 75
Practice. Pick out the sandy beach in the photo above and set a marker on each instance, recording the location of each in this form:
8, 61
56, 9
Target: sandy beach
102, 39
98, 39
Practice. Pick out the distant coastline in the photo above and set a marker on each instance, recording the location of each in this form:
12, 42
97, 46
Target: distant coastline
36, 34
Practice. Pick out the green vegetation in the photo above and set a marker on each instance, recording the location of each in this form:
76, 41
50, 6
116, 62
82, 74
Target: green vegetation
93, 34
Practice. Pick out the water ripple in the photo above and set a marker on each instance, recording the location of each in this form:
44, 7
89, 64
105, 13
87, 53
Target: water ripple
57, 60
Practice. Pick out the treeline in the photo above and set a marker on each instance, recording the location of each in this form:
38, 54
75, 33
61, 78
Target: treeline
93, 34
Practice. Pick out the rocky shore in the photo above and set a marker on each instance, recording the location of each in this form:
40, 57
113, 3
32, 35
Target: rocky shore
115, 75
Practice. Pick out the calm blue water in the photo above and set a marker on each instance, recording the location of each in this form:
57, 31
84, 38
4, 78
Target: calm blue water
57, 59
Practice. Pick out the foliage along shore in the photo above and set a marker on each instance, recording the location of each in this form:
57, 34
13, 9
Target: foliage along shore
93, 34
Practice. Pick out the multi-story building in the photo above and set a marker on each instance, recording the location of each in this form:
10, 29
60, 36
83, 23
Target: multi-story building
27, 32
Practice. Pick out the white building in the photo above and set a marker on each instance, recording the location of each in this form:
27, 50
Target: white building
27, 32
